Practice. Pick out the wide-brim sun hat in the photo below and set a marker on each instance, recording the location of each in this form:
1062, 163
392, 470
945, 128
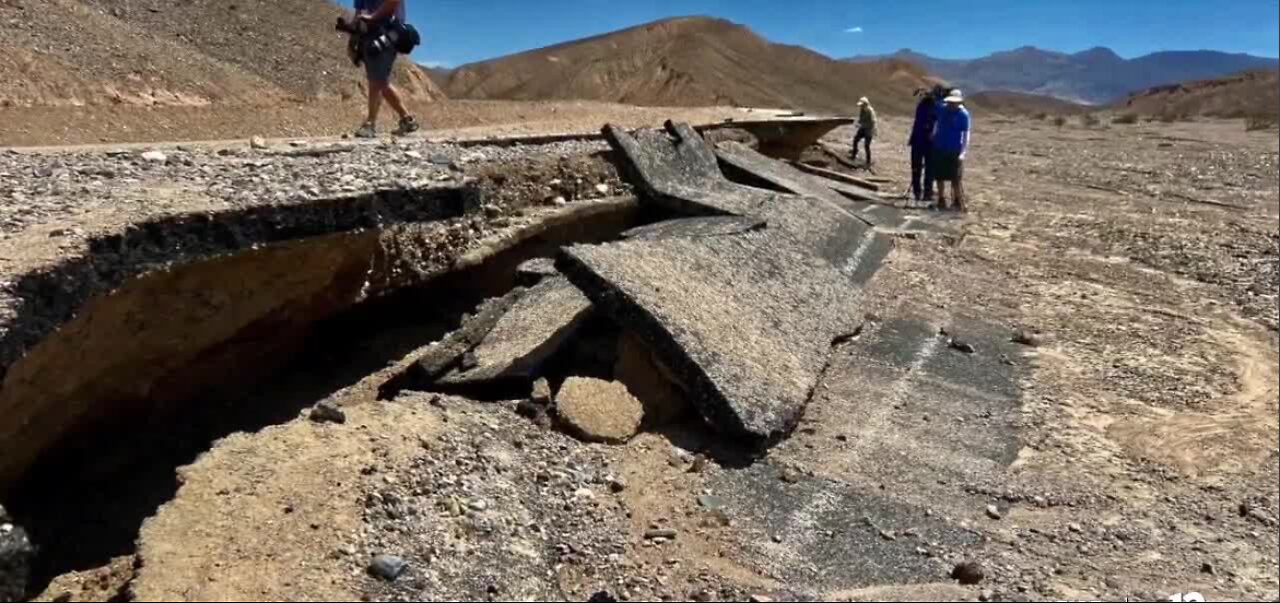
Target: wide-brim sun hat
864, 101
956, 96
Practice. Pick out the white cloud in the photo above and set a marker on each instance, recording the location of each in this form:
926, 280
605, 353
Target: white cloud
853, 30
435, 64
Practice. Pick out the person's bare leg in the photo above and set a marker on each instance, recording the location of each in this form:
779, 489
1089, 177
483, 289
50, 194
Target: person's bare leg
957, 192
393, 98
375, 101
942, 195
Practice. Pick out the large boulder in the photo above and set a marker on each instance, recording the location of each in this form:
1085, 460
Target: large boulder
599, 411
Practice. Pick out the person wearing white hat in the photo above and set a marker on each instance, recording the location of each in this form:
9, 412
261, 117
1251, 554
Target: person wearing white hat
950, 145
866, 128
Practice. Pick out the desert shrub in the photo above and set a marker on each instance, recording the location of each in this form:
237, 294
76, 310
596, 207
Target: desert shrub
1059, 121
1041, 116
1168, 117
1125, 118
1258, 123
1090, 120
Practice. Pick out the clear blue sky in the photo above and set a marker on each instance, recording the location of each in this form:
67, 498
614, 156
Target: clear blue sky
461, 31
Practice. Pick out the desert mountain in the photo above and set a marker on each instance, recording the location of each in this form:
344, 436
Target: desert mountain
1095, 76
192, 52
1251, 94
684, 62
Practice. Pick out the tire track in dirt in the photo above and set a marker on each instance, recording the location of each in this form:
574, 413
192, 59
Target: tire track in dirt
1238, 432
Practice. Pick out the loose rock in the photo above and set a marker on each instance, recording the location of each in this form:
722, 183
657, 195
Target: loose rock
531, 272
711, 503
1028, 338
663, 533
388, 567
155, 157
599, 411
968, 573
328, 412
541, 391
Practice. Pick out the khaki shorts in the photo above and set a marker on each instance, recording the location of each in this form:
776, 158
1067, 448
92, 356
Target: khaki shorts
377, 67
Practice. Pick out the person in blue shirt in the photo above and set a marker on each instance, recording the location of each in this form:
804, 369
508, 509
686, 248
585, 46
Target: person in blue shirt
950, 145
378, 66
921, 142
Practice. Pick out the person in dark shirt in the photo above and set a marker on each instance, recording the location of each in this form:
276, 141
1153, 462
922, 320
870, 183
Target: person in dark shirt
921, 143
378, 66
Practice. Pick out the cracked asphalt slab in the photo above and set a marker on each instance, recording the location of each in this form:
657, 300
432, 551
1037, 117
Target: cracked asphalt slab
750, 358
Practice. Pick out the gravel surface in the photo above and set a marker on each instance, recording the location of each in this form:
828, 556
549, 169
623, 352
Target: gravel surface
44, 189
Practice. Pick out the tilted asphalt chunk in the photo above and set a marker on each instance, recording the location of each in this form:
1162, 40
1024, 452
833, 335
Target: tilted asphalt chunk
527, 335
440, 357
786, 177
745, 322
710, 226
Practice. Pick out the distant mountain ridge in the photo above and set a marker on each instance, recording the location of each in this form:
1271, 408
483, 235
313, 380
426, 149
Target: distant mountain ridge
687, 61
1094, 76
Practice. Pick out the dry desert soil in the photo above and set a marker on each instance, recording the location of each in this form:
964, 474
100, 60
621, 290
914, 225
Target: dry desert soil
1068, 393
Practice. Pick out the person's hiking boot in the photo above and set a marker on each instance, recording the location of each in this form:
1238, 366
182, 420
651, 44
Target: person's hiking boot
408, 125
367, 130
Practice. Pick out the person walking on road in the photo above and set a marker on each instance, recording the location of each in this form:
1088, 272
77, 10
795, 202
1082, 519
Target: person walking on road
866, 128
921, 143
379, 15
950, 145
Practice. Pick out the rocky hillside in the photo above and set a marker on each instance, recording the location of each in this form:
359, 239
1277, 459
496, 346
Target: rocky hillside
1253, 94
687, 62
1095, 76
188, 53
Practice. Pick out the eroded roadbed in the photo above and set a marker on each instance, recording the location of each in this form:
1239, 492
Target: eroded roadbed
733, 384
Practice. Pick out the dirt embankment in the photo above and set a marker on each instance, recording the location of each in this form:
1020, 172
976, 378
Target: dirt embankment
442, 121
73, 53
